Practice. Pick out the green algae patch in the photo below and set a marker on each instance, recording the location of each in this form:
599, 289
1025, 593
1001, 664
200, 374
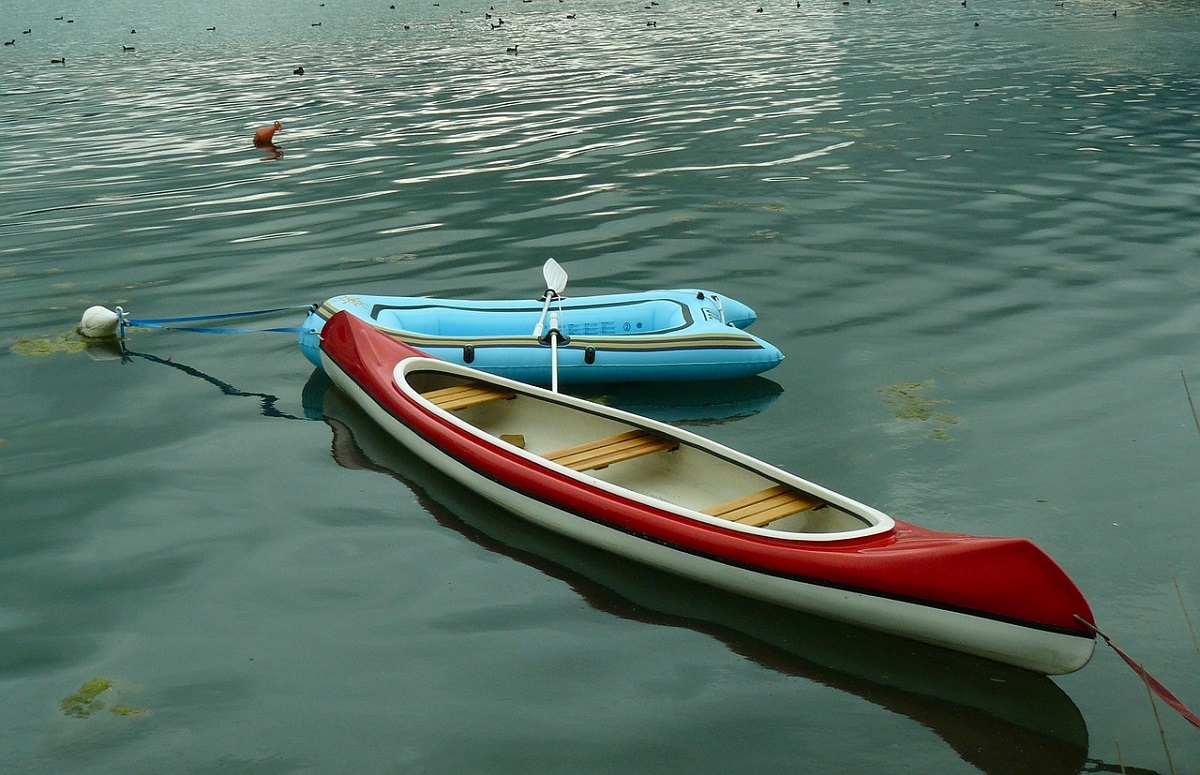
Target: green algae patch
86, 701
906, 401
69, 342
127, 710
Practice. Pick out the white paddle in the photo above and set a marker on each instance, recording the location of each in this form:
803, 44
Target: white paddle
556, 283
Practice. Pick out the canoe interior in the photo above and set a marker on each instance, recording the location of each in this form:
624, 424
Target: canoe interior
636, 458
627, 319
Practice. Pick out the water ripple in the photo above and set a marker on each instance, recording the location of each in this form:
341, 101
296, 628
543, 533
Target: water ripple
1009, 208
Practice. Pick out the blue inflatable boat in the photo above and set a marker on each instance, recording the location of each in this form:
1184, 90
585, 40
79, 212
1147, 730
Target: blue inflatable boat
622, 337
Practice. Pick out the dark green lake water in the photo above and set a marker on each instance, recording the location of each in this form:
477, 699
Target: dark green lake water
1003, 217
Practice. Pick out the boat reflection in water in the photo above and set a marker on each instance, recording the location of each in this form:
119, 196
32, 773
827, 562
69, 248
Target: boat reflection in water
998, 719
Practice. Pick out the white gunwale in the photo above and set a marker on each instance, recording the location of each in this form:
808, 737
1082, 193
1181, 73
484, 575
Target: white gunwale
872, 521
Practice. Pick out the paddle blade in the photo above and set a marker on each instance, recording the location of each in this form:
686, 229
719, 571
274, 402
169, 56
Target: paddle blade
556, 276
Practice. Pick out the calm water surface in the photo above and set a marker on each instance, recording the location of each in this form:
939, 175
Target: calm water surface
1000, 219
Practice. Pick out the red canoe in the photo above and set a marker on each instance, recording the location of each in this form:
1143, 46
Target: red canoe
669, 498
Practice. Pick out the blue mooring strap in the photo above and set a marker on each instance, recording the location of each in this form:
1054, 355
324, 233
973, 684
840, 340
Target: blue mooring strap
167, 323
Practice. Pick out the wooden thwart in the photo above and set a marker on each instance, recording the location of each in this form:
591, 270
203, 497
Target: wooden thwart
614, 449
765, 506
468, 394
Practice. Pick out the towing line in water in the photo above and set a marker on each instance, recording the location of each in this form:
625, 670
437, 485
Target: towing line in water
102, 323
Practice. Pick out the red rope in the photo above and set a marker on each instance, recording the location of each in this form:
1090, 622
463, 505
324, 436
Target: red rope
1153, 683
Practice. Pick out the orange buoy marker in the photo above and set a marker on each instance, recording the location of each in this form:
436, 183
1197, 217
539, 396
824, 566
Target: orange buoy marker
263, 135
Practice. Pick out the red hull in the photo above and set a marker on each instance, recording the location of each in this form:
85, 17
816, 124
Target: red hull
1004, 579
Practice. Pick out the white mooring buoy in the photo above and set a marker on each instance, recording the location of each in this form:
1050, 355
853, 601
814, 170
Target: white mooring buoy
99, 323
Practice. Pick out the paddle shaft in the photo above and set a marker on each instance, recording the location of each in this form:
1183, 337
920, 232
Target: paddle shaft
556, 283
554, 351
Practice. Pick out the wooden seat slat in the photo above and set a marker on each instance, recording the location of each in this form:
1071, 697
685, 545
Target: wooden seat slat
765, 506
468, 394
602, 453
